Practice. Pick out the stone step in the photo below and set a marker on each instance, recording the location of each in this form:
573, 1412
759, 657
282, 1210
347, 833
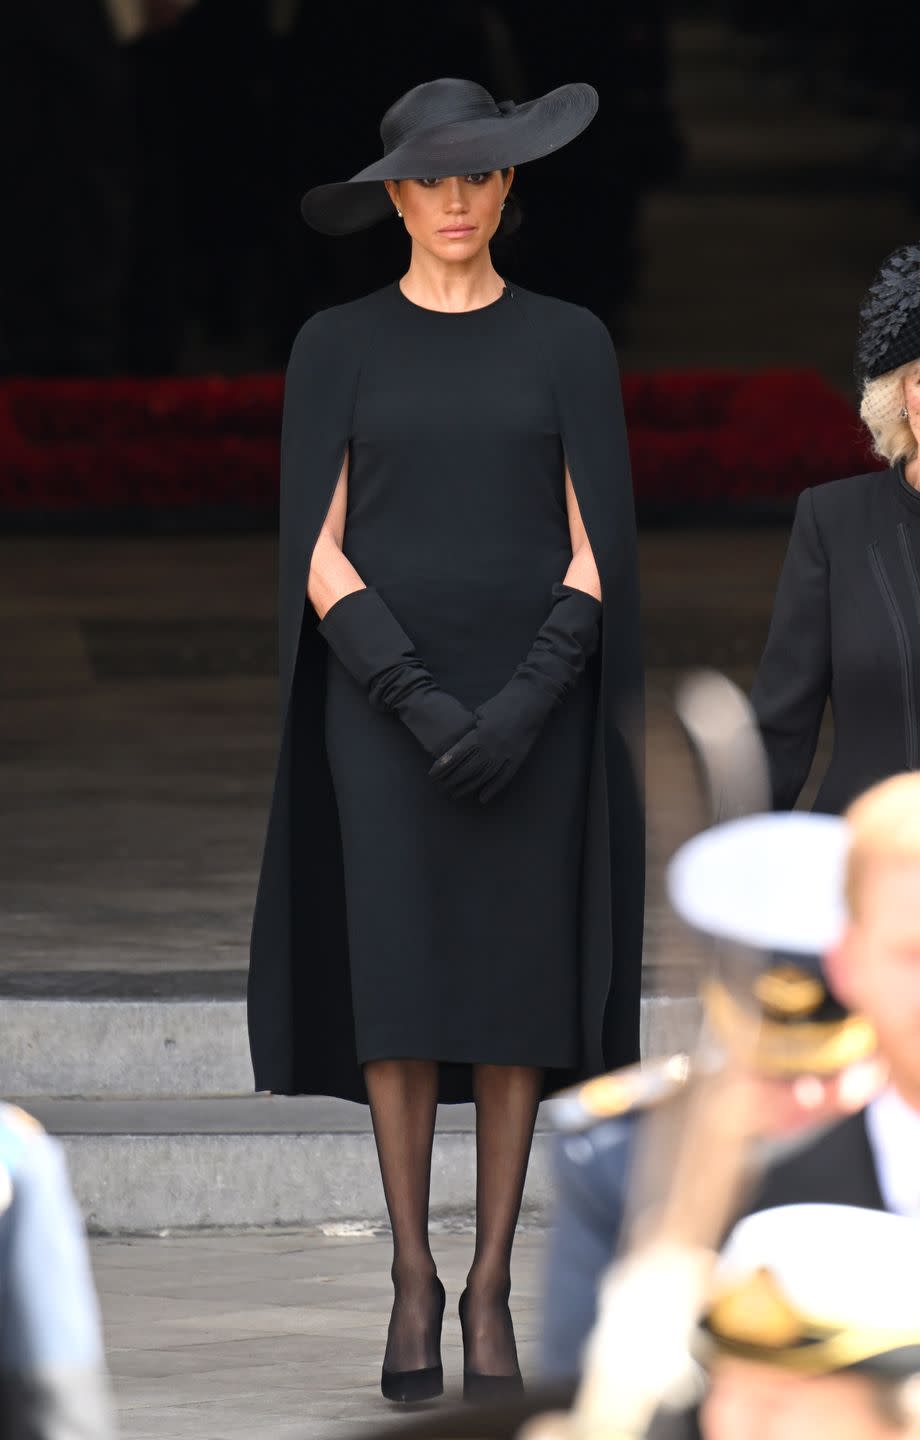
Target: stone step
146, 1166
124, 1047
207, 1159
197, 1047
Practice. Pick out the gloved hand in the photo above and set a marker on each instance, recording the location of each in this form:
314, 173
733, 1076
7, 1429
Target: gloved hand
375, 650
486, 759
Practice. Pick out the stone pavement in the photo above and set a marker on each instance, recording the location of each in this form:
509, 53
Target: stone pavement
272, 1336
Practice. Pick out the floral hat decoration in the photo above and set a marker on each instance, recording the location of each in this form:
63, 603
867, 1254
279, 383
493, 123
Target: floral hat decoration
889, 317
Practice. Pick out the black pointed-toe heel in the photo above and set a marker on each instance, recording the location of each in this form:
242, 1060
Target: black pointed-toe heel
410, 1387
486, 1388
482, 1388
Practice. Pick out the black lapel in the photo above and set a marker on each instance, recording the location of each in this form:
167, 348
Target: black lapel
836, 1168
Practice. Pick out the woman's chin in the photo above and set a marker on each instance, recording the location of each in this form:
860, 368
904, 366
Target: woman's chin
453, 248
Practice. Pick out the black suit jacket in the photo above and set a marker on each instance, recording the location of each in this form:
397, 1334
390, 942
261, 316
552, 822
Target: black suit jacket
845, 627
836, 1168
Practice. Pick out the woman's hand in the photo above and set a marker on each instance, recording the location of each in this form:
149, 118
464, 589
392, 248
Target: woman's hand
487, 758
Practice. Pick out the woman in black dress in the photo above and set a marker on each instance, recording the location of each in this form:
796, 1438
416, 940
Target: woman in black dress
456, 796
846, 620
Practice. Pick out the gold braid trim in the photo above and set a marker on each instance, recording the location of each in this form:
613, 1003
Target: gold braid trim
839, 1351
813, 1047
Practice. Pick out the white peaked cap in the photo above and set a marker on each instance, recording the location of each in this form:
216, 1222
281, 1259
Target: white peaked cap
851, 1268
770, 881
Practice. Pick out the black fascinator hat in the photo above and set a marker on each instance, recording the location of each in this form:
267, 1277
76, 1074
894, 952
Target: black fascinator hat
889, 317
449, 127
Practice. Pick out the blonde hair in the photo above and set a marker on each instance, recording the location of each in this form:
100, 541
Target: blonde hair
884, 824
880, 411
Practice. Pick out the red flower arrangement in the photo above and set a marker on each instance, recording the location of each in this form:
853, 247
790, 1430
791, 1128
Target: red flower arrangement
704, 438
699, 439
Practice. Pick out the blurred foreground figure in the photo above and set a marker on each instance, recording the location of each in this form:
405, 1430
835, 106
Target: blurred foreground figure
809, 1067
53, 1382
857, 890
768, 1013
813, 1328
873, 1158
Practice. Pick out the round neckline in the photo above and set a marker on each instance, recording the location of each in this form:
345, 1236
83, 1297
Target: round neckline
909, 495
452, 314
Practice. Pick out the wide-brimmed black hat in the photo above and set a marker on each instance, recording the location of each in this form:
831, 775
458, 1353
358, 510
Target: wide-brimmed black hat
449, 127
889, 317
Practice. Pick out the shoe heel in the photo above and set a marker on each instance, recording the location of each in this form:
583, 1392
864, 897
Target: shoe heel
485, 1389
481, 1388
410, 1387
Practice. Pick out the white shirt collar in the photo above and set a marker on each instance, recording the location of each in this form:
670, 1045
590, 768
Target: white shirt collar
893, 1128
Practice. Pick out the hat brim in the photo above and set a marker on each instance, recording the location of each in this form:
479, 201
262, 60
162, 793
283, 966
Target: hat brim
884, 1355
528, 132
774, 882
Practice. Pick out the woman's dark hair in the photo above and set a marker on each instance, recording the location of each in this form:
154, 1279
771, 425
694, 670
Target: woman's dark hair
512, 215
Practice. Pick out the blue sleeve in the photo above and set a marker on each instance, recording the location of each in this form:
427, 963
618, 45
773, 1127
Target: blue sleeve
591, 1174
49, 1315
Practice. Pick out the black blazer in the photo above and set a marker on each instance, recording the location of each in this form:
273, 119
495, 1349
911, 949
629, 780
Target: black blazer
845, 627
837, 1167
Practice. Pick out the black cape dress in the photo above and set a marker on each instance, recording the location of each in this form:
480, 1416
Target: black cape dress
391, 921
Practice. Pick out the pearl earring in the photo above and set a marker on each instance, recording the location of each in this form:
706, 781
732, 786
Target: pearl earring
903, 412
399, 212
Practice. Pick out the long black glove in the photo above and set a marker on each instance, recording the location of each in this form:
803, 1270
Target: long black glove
375, 650
486, 759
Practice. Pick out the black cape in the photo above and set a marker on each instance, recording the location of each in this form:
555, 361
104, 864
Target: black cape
300, 1017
